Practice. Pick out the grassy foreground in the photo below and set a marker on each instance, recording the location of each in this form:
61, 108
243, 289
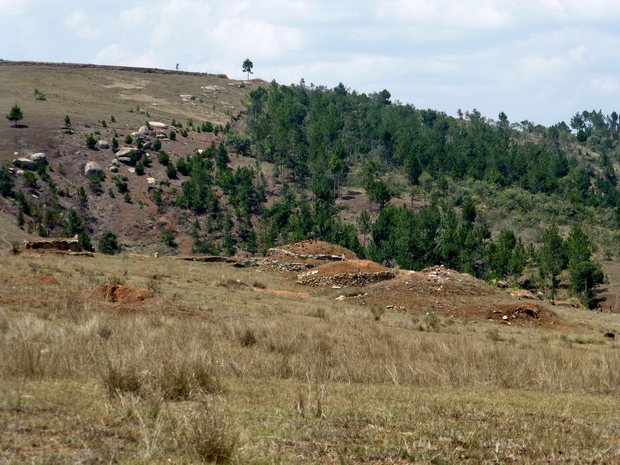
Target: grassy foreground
211, 371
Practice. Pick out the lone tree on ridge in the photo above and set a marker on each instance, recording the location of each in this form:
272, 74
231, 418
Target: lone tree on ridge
247, 67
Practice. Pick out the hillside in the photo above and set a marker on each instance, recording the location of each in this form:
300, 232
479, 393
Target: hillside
306, 163
306, 276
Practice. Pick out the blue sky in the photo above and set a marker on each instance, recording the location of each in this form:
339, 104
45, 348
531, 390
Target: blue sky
541, 60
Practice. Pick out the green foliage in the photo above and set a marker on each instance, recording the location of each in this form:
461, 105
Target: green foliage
163, 158
171, 171
85, 242
38, 95
139, 168
108, 243
6, 183
128, 140
29, 178
156, 145
91, 141
67, 121
114, 144
82, 198
172, 135
15, 114
168, 237
247, 67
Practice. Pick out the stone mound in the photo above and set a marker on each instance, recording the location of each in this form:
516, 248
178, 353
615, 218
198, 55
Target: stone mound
524, 314
121, 294
346, 274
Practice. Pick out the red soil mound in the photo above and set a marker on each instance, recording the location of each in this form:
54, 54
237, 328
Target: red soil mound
121, 294
47, 279
312, 247
348, 266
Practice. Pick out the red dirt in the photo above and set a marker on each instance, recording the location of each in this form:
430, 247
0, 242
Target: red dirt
47, 279
313, 247
121, 294
275, 291
348, 266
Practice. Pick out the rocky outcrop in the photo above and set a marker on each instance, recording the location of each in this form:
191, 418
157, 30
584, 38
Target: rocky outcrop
56, 243
93, 168
25, 163
38, 157
345, 279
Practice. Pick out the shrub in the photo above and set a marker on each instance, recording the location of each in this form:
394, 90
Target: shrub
172, 135
30, 178
85, 242
157, 145
171, 171
114, 144
168, 237
6, 184
163, 158
108, 243
91, 142
38, 95
139, 168
128, 140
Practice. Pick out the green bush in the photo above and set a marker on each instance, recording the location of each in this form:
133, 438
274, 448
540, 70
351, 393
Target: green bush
84, 241
157, 145
139, 168
6, 184
163, 158
128, 140
108, 243
91, 142
171, 171
172, 135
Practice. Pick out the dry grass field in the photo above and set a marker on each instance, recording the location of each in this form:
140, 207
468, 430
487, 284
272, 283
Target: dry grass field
206, 370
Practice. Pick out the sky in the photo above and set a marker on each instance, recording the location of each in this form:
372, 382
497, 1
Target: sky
536, 60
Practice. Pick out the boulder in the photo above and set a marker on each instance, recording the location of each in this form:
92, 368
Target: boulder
125, 160
144, 130
38, 157
102, 144
92, 168
157, 125
25, 163
147, 145
125, 151
187, 97
138, 135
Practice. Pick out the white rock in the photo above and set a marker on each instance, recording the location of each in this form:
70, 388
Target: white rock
150, 180
92, 168
124, 152
38, 157
25, 163
158, 125
144, 130
103, 144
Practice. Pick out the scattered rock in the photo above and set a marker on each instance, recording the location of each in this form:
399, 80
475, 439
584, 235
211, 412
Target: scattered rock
125, 160
144, 130
38, 157
125, 151
151, 180
158, 125
92, 168
103, 144
25, 163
